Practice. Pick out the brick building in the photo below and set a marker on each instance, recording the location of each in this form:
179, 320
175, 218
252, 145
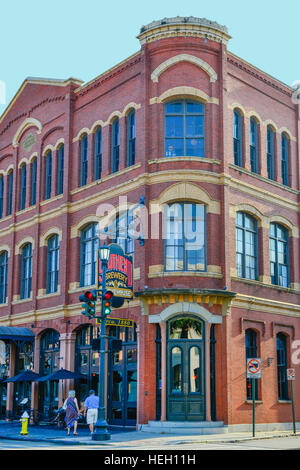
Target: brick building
212, 143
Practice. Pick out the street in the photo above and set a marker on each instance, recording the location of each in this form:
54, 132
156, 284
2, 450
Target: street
283, 443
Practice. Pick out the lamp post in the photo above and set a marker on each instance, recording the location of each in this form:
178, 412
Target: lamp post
101, 427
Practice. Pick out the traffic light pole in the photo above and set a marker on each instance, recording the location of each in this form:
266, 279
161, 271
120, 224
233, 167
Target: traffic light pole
101, 427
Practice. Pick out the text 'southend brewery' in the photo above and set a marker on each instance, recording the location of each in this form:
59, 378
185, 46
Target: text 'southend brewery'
119, 274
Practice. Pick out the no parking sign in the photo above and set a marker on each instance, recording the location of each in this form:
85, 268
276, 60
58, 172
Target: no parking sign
253, 368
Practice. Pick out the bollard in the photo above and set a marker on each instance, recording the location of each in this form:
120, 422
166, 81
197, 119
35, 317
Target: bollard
24, 421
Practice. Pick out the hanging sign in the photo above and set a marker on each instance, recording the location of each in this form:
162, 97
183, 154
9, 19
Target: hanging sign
291, 374
119, 273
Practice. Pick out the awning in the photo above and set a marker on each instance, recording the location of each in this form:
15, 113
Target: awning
61, 374
27, 376
16, 333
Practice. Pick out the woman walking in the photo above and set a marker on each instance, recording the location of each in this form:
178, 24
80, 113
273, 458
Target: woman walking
72, 412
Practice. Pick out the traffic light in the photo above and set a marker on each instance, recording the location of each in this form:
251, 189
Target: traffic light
89, 298
107, 300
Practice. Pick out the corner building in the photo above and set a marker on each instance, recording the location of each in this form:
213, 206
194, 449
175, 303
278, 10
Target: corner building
181, 121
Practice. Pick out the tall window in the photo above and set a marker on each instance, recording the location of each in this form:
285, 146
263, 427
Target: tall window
1, 195
251, 353
60, 170
115, 146
26, 271
48, 175
123, 233
185, 237
131, 136
238, 138
246, 246
184, 129
84, 160
88, 255
52, 264
3, 276
253, 145
285, 159
10, 192
279, 255
98, 154
23, 187
270, 152
33, 181
282, 382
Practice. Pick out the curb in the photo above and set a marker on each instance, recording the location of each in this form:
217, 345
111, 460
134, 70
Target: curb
50, 440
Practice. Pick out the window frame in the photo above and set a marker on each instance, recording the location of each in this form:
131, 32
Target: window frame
23, 178
131, 138
26, 266
48, 175
243, 254
184, 114
60, 170
286, 254
3, 276
254, 145
33, 181
10, 188
98, 154
83, 160
115, 145
271, 153
282, 364
185, 242
93, 239
53, 246
285, 156
238, 138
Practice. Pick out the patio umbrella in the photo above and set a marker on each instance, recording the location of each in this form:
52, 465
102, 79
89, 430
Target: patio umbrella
61, 374
27, 376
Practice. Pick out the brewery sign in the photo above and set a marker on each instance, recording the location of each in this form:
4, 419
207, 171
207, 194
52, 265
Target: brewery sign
119, 273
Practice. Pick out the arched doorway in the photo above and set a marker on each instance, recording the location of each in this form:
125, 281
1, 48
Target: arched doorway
49, 362
185, 369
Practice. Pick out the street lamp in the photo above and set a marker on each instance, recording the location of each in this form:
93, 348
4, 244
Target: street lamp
101, 427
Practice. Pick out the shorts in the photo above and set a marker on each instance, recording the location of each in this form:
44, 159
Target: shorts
92, 415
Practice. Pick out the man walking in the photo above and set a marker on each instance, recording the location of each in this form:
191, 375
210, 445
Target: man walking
91, 406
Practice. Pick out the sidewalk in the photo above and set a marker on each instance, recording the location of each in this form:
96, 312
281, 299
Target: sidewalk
53, 435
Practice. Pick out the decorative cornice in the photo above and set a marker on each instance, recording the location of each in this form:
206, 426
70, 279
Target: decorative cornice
183, 26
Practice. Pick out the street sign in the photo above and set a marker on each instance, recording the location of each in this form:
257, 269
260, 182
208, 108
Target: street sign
291, 374
116, 322
253, 368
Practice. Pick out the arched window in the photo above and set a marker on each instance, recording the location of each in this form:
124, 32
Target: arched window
251, 353
98, 154
33, 181
48, 175
253, 145
3, 276
238, 137
115, 146
23, 187
184, 129
246, 246
285, 159
26, 271
88, 255
279, 255
281, 344
52, 264
84, 160
10, 192
271, 153
1, 195
185, 237
60, 170
131, 136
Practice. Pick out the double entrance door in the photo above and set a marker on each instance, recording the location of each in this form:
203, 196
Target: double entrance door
186, 373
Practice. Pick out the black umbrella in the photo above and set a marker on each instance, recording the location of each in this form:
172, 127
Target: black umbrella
61, 374
27, 376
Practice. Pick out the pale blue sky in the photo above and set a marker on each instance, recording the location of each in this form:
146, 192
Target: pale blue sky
64, 38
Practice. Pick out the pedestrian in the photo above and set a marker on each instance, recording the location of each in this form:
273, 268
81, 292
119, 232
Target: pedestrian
91, 406
72, 412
